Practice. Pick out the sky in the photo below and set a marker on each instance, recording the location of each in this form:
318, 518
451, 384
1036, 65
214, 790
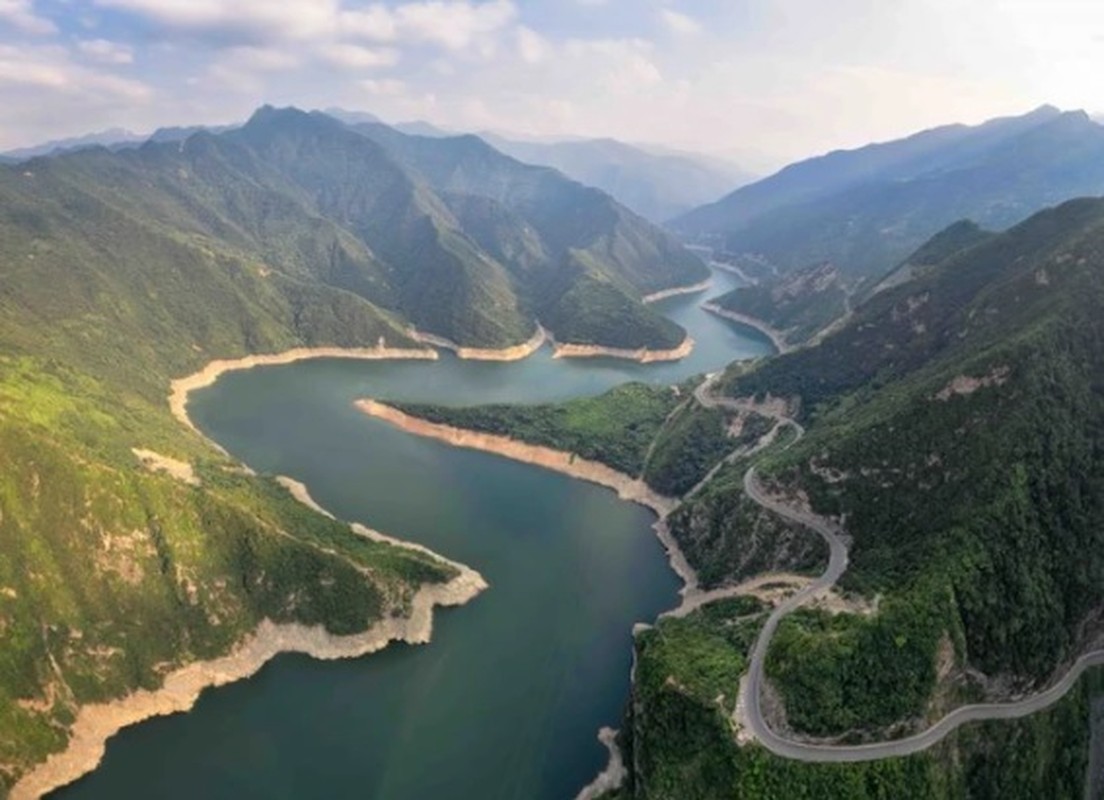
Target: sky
758, 81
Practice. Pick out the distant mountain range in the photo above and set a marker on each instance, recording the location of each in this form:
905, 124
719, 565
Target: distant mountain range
655, 183
866, 209
112, 139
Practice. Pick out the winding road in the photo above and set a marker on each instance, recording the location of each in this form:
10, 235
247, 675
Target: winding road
750, 702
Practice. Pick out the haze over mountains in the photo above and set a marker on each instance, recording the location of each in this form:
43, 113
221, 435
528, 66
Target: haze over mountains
866, 209
655, 185
658, 185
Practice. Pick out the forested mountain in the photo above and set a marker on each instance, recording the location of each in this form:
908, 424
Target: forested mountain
955, 427
112, 574
656, 184
957, 424
319, 203
129, 548
866, 209
799, 304
577, 255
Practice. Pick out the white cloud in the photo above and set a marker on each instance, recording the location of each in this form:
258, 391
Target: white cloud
50, 68
453, 24
679, 23
20, 14
237, 20
375, 23
354, 56
106, 52
389, 87
532, 47
47, 86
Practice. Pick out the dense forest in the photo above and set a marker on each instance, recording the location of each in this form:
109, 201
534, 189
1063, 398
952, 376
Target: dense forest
955, 425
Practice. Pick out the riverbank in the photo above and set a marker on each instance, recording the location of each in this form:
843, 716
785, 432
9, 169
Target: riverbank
732, 269
180, 388
694, 288
627, 488
643, 355
776, 336
515, 353
97, 723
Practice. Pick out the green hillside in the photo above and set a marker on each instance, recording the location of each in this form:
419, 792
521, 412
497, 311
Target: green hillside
112, 575
303, 197
581, 262
956, 424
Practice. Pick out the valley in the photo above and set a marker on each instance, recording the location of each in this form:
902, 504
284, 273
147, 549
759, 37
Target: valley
342, 457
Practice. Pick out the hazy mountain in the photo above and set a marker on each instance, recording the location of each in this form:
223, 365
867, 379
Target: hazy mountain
181, 132
866, 209
112, 139
658, 186
656, 183
105, 138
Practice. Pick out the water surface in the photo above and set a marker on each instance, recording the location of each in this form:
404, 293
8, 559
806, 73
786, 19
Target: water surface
507, 699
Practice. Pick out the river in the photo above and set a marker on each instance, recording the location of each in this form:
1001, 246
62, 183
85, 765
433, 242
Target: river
507, 700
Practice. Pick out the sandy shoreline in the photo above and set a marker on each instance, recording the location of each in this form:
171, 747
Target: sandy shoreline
776, 336
514, 353
642, 355
97, 723
627, 488
694, 288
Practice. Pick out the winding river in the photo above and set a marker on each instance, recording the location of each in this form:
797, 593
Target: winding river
507, 700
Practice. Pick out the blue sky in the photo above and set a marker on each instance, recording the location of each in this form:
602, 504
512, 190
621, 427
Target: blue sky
756, 80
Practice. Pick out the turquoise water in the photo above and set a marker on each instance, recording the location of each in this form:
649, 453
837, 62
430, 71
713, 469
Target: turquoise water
507, 699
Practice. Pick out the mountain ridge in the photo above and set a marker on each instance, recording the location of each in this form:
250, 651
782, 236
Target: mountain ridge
866, 209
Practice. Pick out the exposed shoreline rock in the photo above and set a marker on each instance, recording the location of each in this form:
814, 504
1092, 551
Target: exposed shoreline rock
694, 288
613, 776
777, 337
97, 723
642, 355
627, 488
514, 353
182, 387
